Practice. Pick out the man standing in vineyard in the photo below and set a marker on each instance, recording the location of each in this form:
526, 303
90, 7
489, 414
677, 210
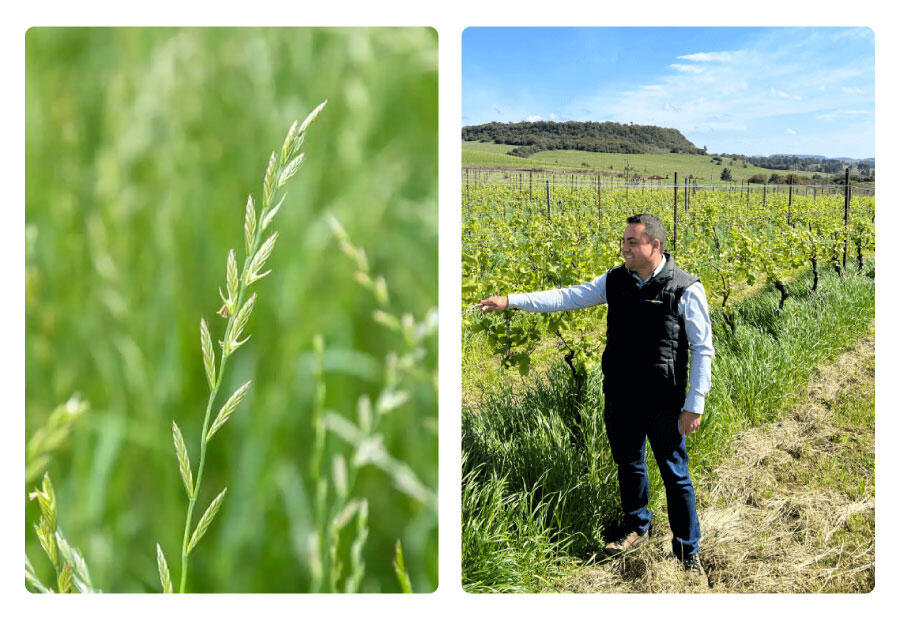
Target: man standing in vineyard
657, 314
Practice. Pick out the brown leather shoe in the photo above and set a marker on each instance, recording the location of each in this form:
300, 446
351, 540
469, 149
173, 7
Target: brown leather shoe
694, 568
626, 543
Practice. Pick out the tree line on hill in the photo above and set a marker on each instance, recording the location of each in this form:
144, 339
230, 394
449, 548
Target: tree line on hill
821, 165
609, 137
606, 137
792, 178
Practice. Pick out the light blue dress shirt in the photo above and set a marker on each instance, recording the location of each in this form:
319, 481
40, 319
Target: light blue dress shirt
692, 306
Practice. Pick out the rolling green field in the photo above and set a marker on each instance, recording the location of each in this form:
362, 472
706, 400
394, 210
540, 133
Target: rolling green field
142, 146
478, 154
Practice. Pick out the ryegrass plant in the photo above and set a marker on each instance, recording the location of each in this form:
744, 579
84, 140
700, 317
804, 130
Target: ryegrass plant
237, 309
536, 495
51, 436
71, 569
137, 142
335, 508
400, 570
510, 543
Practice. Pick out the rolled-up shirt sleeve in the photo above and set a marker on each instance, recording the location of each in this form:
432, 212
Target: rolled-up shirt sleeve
694, 308
585, 295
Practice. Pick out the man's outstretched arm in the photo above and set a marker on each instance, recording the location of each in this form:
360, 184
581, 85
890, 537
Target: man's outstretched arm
585, 295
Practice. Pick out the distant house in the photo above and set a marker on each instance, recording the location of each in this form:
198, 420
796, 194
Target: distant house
655, 178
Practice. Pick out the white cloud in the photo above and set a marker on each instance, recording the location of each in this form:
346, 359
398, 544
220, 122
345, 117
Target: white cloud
835, 114
791, 132
784, 95
533, 118
687, 68
740, 93
711, 56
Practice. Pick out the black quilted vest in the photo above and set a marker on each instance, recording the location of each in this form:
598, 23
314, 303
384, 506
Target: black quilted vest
646, 355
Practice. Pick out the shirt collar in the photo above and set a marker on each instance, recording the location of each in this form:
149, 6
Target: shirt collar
659, 268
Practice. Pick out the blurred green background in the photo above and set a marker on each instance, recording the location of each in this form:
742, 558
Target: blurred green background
141, 148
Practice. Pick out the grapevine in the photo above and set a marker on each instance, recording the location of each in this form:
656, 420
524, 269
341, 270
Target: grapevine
515, 240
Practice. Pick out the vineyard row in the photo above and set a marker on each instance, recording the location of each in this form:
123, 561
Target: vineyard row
512, 244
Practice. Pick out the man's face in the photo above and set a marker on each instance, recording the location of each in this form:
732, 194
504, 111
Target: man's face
638, 249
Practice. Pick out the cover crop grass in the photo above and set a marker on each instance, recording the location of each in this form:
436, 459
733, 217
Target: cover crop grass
237, 308
141, 147
536, 503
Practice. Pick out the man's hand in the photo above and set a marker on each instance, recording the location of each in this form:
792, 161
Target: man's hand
688, 422
495, 304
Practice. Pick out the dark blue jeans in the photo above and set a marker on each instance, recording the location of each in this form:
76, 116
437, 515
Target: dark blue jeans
627, 427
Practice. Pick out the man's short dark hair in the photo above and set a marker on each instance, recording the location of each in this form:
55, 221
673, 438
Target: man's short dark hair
653, 227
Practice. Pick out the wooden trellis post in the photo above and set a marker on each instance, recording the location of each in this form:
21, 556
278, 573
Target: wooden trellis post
790, 197
846, 211
675, 216
467, 186
548, 197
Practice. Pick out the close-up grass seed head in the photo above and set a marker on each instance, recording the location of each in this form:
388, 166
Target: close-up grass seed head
182, 182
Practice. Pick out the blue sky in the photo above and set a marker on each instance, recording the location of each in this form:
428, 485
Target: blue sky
754, 91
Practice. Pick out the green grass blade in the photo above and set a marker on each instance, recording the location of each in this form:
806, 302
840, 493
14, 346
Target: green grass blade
400, 569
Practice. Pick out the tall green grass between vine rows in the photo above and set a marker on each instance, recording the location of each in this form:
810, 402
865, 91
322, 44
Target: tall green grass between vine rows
539, 484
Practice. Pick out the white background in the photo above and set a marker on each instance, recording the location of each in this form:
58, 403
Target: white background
449, 19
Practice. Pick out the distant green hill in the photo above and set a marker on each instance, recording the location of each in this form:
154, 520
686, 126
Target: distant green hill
658, 166
607, 137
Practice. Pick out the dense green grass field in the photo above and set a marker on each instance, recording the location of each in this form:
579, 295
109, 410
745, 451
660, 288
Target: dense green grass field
479, 154
540, 494
142, 146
